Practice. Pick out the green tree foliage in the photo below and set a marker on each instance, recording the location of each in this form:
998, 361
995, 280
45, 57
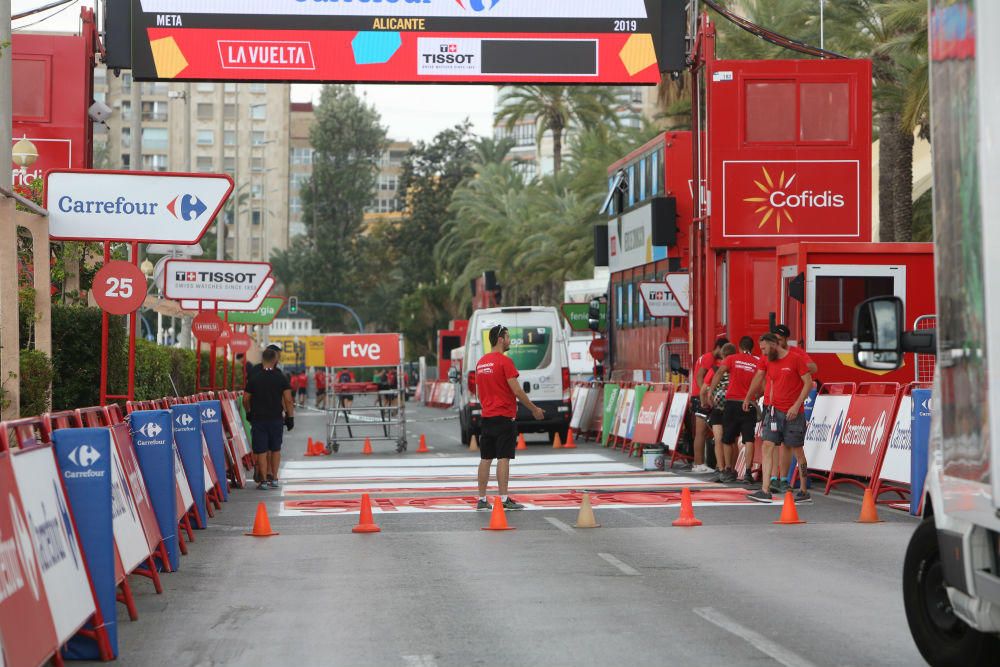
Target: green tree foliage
36, 382
329, 262
556, 109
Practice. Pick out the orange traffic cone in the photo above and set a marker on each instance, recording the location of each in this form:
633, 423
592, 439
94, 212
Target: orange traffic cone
311, 449
585, 519
498, 520
557, 442
789, 515
687, 517
869, 512
569, 441
261, 523
521, 444
368, 447
473, 444
422, 449
366, 524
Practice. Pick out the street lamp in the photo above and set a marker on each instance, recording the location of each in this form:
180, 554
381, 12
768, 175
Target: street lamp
24, 153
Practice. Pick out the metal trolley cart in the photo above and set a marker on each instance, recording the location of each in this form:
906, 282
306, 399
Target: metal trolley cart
358, 411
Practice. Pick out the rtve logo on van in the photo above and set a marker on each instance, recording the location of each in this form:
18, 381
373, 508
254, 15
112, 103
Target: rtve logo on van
791, 198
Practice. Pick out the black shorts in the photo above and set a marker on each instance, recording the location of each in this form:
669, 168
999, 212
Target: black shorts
266, 436
498, 439
737, 423
715, 417
699, 410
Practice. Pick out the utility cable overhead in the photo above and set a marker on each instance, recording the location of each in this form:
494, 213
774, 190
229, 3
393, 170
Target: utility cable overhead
64, 4
771, 36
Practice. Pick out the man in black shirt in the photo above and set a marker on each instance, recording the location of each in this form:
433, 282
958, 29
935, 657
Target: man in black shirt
268, 402
252, 369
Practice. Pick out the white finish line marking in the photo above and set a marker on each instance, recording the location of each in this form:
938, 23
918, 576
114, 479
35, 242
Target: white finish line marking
420, 661
559, 524
625, 569
761, 643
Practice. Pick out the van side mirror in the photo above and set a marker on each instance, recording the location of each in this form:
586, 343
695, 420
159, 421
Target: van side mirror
878, 333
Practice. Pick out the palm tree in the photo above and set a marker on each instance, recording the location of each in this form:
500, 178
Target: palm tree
556, 108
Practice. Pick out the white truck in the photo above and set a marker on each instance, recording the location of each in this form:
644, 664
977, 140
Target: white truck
951, 572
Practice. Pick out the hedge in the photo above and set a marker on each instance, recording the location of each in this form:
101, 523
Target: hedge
36, 380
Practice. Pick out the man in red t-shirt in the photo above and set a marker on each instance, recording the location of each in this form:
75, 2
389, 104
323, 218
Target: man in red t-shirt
784, 456
737, 422
784, 421
320, 378
499, 391
706, 362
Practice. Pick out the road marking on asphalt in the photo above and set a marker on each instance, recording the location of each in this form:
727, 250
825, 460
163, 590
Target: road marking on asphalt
758, 641
559, 524
625, 569
420, 660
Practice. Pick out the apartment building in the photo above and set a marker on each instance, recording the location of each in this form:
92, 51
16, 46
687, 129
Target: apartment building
239, 129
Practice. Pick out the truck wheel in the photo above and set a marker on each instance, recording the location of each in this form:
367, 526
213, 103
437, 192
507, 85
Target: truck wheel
942, 637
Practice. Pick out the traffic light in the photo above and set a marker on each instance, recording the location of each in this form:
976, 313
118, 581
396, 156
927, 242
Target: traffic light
293, 305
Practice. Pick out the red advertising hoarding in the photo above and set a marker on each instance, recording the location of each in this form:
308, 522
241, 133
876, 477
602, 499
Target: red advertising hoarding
363, 350
649, 421
866, 429
453, 41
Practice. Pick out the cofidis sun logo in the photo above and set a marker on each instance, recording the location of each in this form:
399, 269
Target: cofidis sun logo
478, 5
792, 199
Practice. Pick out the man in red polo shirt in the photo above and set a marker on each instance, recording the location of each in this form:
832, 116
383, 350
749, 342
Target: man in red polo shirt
737, 422
706, 362
784, 421
783, 454
499, 391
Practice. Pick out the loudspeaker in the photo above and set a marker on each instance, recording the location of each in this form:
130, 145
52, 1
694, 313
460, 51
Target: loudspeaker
664, 215
473, 284
600, 245
490, 280
671, 48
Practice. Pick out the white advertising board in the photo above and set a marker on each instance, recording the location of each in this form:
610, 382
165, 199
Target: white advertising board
149, 207
823, 431
675, 418
624, 410
896, 464
233, 306
129, 534
680, 285
660, 301
180, 477
54, 535
210, 280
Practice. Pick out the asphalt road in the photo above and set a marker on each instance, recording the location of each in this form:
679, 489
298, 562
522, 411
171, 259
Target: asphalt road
433, 589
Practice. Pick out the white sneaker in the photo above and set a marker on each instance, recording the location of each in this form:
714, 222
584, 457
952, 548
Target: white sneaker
702, 469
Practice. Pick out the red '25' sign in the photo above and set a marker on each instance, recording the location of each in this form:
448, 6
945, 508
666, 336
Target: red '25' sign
362, 350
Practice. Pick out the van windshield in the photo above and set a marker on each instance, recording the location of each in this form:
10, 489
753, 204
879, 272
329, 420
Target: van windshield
530, 347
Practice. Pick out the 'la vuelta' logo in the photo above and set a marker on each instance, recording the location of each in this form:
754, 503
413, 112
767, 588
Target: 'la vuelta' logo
780, 198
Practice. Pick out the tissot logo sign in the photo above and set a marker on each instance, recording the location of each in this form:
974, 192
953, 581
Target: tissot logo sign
660, 301
133, 206
214, 280
449, 56
798, 199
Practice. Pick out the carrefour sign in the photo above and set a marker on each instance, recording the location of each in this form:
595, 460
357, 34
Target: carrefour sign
133, 206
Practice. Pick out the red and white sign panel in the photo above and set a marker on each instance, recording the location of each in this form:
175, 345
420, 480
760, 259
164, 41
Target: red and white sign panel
680, 285
793, 198
824, 429
675, 418
240, 342
896, 464
234, 306
489, 41
214, 280
626, 407
54, 534
207, 327
184, 498
52, 154
149, 207
649, 421
363, 350
660, 301
864, 434
25, 620
137, 485
119, 287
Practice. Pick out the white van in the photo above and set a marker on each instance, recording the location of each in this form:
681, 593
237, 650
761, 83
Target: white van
538, 349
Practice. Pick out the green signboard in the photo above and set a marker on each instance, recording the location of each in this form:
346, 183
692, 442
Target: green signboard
263, 315
611, 395
577, 314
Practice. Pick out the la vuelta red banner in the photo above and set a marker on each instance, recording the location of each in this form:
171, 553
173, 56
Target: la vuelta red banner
792, 199
382, 56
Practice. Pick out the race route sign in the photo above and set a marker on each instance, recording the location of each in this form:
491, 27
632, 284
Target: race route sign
411, 41
214, 280
148, 207
363, 350
119, 288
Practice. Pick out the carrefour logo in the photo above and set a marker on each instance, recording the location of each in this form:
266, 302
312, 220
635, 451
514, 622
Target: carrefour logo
186, 207
184, 419
477, 5
208, 413
150, 429
84, 456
